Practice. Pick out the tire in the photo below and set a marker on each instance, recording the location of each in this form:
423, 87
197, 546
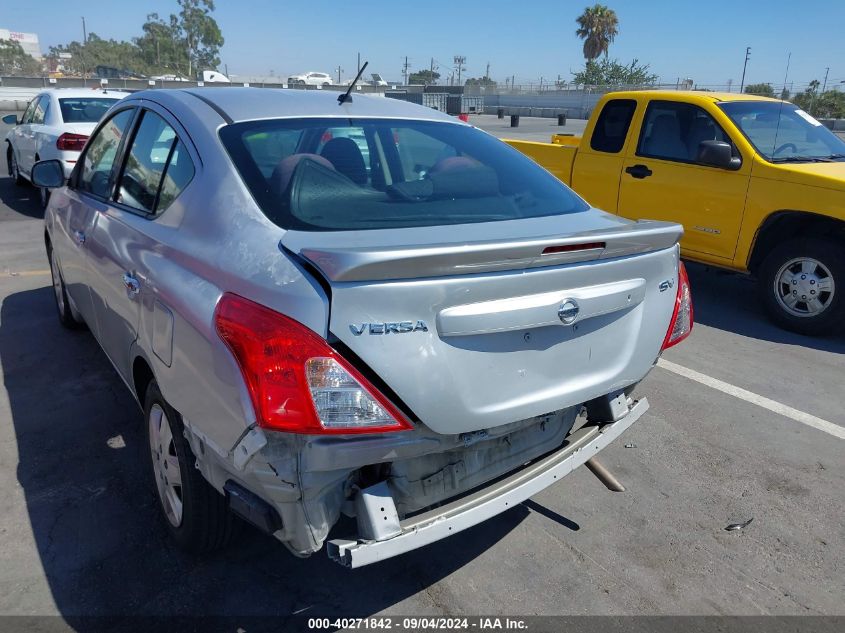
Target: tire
14, 172
66, 317
802, 285
194, 513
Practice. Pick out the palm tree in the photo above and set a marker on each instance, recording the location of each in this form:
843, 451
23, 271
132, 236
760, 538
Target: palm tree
597, 26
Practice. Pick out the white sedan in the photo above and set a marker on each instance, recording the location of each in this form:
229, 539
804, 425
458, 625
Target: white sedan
311, 79
55, 125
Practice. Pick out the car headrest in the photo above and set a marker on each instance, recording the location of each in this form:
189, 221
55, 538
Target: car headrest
346, 157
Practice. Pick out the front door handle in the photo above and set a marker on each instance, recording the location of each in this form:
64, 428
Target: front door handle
79, 236
639, 171
132, 285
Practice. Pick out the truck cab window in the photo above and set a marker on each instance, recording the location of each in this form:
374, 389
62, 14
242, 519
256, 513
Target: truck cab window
612, 125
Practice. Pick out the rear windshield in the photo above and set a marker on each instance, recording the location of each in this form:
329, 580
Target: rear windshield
354, 174
85, 109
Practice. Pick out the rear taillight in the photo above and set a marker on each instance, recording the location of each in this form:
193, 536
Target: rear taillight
71, 142
297, 383
681, 324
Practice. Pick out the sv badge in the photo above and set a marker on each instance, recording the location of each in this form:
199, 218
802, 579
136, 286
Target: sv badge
401, 327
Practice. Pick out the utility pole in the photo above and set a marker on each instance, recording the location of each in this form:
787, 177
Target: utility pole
824, 85
747, 55
459, 60
405, 70
84, 42
487, 73
359, 63
338, 70
730, 83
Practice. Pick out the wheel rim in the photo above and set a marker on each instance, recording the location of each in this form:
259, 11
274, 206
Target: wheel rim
166, 465
57, 284
804, 287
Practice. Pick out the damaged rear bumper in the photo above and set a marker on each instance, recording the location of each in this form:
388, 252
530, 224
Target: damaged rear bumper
477, 507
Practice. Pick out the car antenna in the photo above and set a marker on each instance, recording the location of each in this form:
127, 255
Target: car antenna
345, 97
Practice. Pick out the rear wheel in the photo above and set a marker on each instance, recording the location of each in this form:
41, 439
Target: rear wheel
195, 513
802, 285
66, 317
14, 171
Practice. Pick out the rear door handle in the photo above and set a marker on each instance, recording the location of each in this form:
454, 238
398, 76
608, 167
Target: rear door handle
639, 171
132, 285
79, 236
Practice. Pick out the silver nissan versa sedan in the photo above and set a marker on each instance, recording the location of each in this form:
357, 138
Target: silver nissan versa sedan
364, 308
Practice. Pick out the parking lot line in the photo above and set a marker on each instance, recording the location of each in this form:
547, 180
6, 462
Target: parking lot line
749, 396
25, 273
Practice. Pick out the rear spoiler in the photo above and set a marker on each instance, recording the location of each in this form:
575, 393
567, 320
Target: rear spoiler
382, 262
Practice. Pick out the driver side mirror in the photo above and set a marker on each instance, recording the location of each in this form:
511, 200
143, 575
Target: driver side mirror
11, 119
718, 154
48, 173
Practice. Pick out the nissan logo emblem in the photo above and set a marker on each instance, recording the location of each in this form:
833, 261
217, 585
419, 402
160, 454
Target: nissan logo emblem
568, 311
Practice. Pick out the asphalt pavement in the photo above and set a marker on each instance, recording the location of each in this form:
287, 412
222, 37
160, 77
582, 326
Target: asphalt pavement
80, 533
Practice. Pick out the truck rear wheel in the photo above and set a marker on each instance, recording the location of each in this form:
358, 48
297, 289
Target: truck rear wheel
195, 513
802, 285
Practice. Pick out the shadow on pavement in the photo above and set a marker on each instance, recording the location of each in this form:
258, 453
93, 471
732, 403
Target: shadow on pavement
15, 200
96, 525
728, 301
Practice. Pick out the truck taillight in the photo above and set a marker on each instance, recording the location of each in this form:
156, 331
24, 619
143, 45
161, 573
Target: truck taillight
681, 324
71, 142
296, 381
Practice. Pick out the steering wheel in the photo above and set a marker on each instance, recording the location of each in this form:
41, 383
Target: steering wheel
786, 146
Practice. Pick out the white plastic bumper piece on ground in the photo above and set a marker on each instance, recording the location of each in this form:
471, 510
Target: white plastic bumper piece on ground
473, 509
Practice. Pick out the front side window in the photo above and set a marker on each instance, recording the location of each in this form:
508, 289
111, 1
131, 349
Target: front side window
155, 151
100, 153
674, 131
612, 125
40, 112
27, 114
782, 132
338, 175
84, 109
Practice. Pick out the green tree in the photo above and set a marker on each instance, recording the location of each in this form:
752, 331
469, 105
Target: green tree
99, 52
609, 72
200, 33
423, 77
761, 90
161, 47
598, 26
486, 82
14, 61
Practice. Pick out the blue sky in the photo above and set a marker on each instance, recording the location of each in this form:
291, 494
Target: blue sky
702, 40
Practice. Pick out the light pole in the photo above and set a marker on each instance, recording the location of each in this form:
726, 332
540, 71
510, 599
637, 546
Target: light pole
747, 55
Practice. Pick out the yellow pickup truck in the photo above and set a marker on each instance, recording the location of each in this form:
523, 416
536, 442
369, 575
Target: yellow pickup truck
758, 184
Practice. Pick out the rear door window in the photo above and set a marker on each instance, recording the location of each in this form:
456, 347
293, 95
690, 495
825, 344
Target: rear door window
40, 112
155, 151
612, 125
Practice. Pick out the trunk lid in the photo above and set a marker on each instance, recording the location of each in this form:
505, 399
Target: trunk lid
475, 326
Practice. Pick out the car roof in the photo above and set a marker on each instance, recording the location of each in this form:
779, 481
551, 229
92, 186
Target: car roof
245, 104
692, 95
76, 93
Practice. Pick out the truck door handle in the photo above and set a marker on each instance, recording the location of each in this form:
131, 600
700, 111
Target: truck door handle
132, 285
639, 171
79, 236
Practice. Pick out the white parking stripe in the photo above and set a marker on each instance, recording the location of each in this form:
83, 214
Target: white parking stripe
761, 401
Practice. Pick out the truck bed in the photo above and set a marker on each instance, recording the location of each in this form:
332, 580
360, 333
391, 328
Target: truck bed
556, 158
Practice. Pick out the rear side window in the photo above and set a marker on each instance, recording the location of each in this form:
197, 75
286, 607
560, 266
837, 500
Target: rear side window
157, 167
358, 174
612, 125
40, 112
